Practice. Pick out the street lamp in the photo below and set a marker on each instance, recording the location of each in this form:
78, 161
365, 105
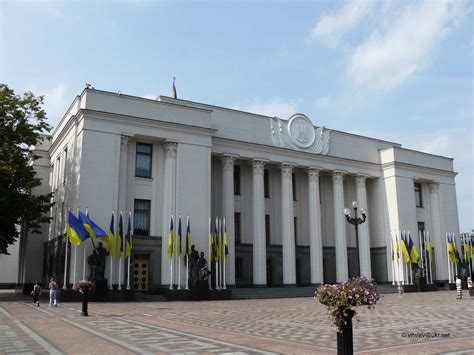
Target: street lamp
356, 221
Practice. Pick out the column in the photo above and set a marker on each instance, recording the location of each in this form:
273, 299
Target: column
364, 240
315, 235
259, 243
168, 207
438, 235
339, 226
287, 220
228, 213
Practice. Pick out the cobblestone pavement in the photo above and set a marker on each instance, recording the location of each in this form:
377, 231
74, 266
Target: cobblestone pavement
419, 323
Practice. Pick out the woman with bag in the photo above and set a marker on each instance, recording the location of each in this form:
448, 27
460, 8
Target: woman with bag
53, 293
36, 293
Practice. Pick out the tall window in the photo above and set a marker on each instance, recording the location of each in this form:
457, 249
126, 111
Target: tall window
237, 227
143, 161
58, 172
236, 179
293, 181
64, 165
418, 199
238, 268
266, 183
141, 219
421, 226
267, 228
295, 227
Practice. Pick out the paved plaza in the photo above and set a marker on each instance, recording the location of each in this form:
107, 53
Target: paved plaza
432, 322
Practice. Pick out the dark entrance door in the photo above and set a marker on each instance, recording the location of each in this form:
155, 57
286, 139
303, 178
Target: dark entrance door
269, 273
298, 272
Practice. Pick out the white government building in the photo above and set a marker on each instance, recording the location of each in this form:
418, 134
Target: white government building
281, 184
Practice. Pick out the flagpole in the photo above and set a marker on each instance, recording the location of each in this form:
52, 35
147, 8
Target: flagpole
210, 261
179, 253
223, 246
470, 253
130, 243
111, 254
455, 250
217, 255
449, 262
85, 252
121, 254
172, 253
396, 253
431, 261
65, 258
186, 287
421, 251
75, 257
219, 244
401, 275
393, 258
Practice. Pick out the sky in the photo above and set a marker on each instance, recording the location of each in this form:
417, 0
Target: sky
395, 70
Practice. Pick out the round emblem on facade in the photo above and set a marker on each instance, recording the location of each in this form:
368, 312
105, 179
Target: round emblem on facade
301, 130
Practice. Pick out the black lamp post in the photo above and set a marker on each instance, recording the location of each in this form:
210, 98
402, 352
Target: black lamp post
356, 221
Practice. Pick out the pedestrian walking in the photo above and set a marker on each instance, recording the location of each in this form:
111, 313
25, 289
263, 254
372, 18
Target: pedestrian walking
53, 293
469, 286
458, 288
400, 290
36, 294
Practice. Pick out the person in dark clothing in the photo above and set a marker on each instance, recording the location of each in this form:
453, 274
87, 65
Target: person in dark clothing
36, 293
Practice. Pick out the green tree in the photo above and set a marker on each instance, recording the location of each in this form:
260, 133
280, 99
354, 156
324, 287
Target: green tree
22, 121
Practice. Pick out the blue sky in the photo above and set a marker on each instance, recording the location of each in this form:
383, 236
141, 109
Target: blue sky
395, 70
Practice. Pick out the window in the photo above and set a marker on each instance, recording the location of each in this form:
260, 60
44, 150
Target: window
295, 227
293, 181
53, 171
418, 199
64, 165
237, 227
143, 161
238, 268
141, 217
267, 228
236, 179
421, 226
266, 183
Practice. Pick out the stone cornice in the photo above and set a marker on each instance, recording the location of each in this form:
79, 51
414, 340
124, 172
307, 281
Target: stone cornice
417, 168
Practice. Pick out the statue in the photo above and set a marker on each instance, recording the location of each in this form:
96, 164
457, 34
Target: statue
97, 262
202, 266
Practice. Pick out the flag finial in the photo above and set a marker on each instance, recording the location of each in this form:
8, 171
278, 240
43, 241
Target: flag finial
174, 95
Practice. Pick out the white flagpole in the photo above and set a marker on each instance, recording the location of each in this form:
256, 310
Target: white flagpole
85, 252
217, 260
210, 253
221, 256
178, 254
431, 261
128, 266
223, 252
401, 274
111, 256
410, 262
75, 257
187, 256
392, 256
406, 266
455, 249
449, 262
172, 255
421, 252
65, 258
470, 252
121, 254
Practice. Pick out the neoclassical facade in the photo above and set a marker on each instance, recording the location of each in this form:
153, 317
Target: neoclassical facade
280, 183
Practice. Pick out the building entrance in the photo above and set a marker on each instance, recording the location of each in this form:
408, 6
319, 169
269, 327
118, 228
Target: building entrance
140, 273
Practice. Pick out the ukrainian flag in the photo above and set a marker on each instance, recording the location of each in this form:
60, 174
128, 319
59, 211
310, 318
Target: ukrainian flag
170, 239
395, 249
188, 238
412, 248
111, 237
212, 257
215, 242
128, 237
226, 248
94, 230
120, 237
452, 255
406, 254
76, 231
429, 249
179, 237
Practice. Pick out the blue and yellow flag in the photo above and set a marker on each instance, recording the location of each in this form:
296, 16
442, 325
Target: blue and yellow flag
451, 250
226, 248
215, 241
406, 254
120, 237
429, 249
395, 251
412, 250
111, 237
188, 237
178, 239
94, 230
170, 239
212, 257
128, 237
76, 231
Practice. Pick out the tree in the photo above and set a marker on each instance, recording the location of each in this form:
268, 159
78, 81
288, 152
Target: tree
22, 121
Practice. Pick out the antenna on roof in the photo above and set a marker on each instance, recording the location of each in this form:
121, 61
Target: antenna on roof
174, 94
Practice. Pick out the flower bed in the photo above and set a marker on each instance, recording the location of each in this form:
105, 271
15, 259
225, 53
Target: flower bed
343, 299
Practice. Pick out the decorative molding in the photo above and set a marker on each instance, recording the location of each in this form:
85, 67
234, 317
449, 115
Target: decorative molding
228, 162
338, 177
360, 181
258, 167
434, 187
171, 149
286, 170
313, 174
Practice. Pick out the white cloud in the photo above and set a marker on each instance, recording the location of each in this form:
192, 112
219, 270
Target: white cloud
331, 27
387, 59
56, 102
272, 107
